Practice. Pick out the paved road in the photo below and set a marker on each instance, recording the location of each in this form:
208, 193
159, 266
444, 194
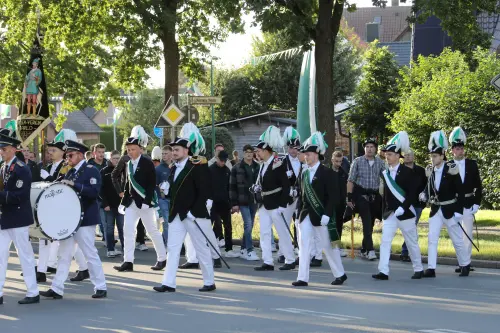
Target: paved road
248, 301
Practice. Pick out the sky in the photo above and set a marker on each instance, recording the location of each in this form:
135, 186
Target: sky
235, 49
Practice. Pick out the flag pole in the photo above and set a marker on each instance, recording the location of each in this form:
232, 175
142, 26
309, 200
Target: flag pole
114, 127
211, 94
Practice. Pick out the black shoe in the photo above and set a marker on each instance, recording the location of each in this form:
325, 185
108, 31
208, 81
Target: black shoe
164, 288
217, 263
51, 270
281, 259
100, 294
41, 277
1, 300
189, 265
80, 276
429, 273
287, 267
297, 261
300, 283
417, 275
207, 288
159, 265
459, 269
465, 271
315, 262
380, 276
404, 258
29, 300
264, 267
125, 267
340, 280
50, 294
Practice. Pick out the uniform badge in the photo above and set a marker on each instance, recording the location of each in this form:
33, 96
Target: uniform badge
93, 181
89, 166
20, 163
19, 183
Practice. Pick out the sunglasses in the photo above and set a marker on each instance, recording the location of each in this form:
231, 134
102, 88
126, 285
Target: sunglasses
70, 155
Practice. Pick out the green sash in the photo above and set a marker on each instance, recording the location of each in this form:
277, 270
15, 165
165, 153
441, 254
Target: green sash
138, 188
317, 206
395, 189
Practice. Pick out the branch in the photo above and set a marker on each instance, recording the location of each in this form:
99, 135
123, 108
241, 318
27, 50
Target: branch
143, 11
297, 11
336, 18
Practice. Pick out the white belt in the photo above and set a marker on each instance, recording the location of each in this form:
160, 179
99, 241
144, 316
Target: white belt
469, 195
445, 203
276, 190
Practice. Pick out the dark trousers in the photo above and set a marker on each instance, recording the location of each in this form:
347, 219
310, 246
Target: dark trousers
339, 217
141, 233
369, 207
112, 218
221, 210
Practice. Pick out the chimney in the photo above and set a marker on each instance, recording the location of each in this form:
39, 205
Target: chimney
395, 3
372, 32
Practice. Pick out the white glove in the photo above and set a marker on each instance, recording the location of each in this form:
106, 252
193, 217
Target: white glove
400, 211
209, 204
293, 192
289, 173
121, 209
458, 216
324, 220
190, 216
44, 174
164, 187
144, 206
474, 209
281, 210
422, 197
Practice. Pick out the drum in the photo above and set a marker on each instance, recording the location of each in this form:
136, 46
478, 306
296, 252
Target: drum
57, 211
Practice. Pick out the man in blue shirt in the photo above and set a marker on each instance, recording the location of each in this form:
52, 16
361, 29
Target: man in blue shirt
162, 172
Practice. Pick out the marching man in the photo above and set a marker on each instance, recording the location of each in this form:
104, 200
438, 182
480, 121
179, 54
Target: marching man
272, 192
316, 208
188, 189
140, 201
86, 180
400, 194
17, 216
445, 193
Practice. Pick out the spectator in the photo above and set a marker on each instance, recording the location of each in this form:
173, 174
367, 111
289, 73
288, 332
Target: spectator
35, 170
221, 208
243, 176
218, 148
162, 174
236, 158
99, 162
110, 202
337, 161
345, 162
88, 155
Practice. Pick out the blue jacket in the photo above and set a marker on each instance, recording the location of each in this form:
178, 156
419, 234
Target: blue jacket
162, 173
15, 197
88, 184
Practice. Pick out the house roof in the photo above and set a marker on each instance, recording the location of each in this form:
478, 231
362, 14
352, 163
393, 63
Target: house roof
401, 50
90, 112
392, 21
80, 123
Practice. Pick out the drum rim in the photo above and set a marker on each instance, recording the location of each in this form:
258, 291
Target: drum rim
37, 222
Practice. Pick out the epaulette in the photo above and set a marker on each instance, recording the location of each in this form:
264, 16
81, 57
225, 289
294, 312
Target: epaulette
90, 166
198, 160
453, 168
277, 162
21, 164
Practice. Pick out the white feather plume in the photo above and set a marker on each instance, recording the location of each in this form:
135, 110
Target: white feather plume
457, 134
139, 133
402, 142
272, 137
190, 132
66, 134
290, 134
156, 153
188, 129
438, 138
317, 139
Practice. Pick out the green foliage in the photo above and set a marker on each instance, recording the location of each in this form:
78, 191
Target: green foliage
375, 95
222, 135
441, 93
106, 137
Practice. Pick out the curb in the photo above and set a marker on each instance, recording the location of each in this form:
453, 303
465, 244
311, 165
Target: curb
492, 264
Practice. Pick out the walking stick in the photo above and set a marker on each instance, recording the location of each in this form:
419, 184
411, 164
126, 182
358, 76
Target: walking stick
289, 231
352, 236
213, 247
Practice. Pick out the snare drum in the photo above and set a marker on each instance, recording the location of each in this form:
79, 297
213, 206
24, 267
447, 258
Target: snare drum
57, 211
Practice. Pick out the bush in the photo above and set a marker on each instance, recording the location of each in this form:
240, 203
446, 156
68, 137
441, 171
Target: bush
106, 137
222, 135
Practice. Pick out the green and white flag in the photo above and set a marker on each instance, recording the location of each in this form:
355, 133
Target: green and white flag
5, 111
306, 102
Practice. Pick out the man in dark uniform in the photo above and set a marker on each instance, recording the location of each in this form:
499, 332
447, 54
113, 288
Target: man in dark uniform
16, 216
472, 186
400, 194
316, 207
85, 180
273, 187
445, 193
189, 191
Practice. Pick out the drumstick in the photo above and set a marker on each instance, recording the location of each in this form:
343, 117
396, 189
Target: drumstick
352, 236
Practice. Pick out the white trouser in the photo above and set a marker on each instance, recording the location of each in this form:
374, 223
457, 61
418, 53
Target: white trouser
455, 233
190, 249
20, 237
47, 255
80, 259
410, 234
148, 217
468, 225
307, 233
177, 230
84, 238
267, 218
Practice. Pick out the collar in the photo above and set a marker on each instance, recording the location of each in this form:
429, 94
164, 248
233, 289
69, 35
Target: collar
368, 160
394, 168
13, 160
136, 160
293, 159
269, 161
462, 161
436, 169
56, 164
79, 165
182, 163
314, 167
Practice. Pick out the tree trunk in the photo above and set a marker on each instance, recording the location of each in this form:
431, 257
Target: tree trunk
170, 52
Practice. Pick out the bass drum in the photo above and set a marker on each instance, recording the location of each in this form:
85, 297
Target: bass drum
57, 211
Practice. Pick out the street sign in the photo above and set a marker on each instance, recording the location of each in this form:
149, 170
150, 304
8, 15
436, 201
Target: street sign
173, 115
158, 132
205, 100
495, 82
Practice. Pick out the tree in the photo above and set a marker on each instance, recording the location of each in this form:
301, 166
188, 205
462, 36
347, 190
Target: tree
222, 135
375, 96
443, 92
94, 48
317, 22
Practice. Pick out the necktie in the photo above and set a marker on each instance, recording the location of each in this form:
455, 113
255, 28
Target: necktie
70, 173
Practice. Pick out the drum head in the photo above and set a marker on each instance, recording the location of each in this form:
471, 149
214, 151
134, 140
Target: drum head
58, 211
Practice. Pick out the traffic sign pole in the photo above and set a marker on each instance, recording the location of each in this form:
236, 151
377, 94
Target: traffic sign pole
211, 94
